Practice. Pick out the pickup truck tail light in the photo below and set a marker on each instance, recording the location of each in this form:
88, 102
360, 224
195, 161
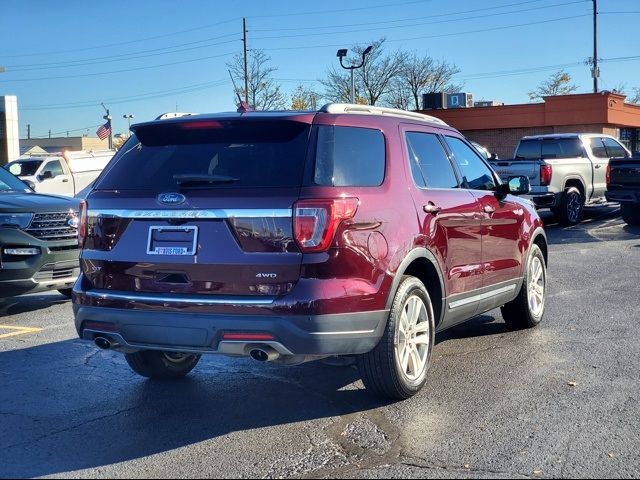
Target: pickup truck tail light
546, 172
315, 221
82, 226
608, 174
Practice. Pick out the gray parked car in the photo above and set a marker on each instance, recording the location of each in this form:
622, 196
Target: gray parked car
566, 171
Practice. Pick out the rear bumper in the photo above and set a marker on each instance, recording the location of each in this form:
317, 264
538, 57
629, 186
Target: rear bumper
321, 335
623, 196
545, 200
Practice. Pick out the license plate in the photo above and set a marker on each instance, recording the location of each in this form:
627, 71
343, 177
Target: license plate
172, 241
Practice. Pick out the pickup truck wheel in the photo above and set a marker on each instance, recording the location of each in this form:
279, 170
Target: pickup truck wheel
570, 209
161, 365
630, 213
397, 367
66, 292
527, 309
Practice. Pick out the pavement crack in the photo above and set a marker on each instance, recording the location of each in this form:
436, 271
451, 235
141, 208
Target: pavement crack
406, 461
73, 427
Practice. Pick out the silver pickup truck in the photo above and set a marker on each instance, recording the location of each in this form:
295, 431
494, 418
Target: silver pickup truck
566, 171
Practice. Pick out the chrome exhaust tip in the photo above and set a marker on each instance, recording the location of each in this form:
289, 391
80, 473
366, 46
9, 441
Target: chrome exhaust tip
264, 354
102, 343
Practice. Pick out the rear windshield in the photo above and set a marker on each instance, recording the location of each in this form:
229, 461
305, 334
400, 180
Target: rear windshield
246, 154
549, 148
24, 168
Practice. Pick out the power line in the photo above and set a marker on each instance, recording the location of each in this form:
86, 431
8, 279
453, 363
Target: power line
95, 47
322, 12
117, 71
129, 99
64, 131
317, 27
422, 24
130, 56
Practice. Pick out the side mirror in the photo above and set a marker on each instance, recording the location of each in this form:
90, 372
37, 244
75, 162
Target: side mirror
46, 175
515, 186
30, 184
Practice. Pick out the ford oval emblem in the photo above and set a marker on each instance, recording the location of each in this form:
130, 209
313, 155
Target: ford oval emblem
171, 198
73, 222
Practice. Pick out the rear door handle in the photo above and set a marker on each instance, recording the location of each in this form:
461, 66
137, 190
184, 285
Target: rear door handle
597, 166
65, 180
432, 208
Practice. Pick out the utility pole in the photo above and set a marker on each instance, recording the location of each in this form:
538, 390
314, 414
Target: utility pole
595, 72
246, 73
49, 133
28, 131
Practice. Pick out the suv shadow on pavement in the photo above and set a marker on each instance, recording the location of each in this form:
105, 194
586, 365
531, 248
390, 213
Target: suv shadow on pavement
29, 303
79, 411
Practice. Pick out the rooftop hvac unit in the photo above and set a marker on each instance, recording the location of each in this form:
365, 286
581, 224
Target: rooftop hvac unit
459, 100
433, 101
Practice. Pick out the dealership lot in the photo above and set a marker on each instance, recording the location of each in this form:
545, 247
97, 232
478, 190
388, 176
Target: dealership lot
556, 401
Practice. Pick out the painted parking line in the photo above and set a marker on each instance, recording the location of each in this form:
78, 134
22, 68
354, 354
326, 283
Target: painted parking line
14, 331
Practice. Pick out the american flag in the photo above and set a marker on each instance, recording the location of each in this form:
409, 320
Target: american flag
104, 131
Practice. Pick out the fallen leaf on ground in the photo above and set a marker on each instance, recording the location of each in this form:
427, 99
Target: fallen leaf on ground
572, 384
467, 466
537, 472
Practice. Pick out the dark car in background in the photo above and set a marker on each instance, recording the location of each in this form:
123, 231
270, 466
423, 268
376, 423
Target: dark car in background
623, 185
293, 236
38, 240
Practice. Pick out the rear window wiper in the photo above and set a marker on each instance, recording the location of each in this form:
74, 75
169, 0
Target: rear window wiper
200, 178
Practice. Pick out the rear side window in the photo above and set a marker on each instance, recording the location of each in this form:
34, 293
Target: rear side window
549, 148
349, 157
614, 149
429, 163
476, 175
234, 154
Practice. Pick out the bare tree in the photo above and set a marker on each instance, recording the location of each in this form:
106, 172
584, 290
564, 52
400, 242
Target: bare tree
337, 86
264, 93
379, 71
304, 98
424, 75
636, 96
558, 84
400, 96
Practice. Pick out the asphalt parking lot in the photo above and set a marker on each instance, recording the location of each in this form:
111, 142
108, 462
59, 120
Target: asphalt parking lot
560, 400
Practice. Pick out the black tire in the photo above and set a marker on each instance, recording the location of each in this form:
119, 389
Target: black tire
380, 368
569, 212
630, 213
66, 292
161, 365
518, 314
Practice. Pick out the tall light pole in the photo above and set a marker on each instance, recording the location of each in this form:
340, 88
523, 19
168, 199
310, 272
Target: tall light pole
128, 116
343, 53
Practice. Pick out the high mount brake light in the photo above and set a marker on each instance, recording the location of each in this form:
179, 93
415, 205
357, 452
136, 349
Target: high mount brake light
315, 221
82, 226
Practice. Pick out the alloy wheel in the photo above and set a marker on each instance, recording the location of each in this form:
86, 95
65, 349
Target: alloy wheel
414, 339
536, 287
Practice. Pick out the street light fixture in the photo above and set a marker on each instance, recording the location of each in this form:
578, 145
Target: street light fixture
128, 116
343, 53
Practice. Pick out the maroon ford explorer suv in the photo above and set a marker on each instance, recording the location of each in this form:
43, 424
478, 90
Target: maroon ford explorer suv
292, 236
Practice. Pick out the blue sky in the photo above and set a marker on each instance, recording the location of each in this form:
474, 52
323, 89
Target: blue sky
145, 57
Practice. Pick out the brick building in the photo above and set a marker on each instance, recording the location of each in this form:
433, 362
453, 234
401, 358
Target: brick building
500, 128
59, 144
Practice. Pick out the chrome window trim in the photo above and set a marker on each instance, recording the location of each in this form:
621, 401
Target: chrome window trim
194, 214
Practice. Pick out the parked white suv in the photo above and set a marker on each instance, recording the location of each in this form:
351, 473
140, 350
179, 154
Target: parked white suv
566, 171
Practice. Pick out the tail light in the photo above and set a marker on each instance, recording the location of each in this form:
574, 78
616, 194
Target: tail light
546, 172
315, 221
82, 226
608, 174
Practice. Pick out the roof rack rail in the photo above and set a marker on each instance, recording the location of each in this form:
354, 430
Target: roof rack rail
164, 116
371, 110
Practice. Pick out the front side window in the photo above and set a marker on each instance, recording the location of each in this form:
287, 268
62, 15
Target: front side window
349, 157
614, 149
597, 147
429, 163
55, 167
476, 175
